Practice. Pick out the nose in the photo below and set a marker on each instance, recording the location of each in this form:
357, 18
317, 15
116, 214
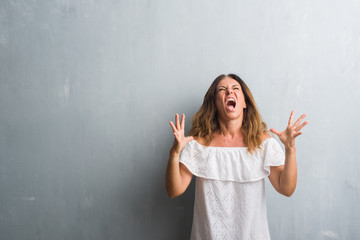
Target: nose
229, 91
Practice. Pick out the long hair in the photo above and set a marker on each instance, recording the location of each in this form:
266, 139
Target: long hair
205, 122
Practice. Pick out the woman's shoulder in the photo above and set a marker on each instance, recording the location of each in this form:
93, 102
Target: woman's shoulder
265, 135
200, 140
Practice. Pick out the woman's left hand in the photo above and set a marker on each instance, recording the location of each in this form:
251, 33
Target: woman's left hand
287, 137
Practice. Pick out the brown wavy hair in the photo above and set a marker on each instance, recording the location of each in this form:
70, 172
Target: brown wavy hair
205, 122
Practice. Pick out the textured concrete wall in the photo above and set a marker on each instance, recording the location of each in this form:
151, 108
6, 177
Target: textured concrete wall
88, 87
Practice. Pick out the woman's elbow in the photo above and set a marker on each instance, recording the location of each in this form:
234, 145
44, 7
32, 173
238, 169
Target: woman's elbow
287, 192
286, 189
173, 194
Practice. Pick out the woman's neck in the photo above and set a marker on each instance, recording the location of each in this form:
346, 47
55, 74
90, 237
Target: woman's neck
230, 129
228, 135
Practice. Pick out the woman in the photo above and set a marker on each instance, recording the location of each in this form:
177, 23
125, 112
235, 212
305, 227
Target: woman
231, 153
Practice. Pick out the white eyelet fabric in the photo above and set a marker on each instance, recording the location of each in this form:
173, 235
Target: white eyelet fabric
229, 193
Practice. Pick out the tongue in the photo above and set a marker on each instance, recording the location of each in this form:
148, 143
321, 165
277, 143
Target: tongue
230, 107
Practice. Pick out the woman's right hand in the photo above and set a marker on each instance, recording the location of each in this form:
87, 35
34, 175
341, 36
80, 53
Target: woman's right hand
180, 140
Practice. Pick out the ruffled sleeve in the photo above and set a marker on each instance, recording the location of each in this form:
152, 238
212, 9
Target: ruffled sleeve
188, 159
232, 163
273, 154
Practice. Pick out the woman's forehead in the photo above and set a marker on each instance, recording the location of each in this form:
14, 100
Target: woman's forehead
227, 81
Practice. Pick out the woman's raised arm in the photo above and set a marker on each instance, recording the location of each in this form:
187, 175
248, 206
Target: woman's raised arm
178, 177
284, 178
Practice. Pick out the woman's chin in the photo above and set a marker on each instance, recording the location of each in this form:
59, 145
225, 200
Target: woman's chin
232, 115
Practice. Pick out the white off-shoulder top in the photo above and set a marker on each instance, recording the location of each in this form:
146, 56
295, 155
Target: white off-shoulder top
229, 191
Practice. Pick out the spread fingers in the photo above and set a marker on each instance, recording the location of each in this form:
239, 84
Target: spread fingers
300, 119
177, 121
182, 121
173, 126
302, 125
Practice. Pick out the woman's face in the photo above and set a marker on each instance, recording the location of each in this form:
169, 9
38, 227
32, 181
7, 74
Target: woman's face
229, 99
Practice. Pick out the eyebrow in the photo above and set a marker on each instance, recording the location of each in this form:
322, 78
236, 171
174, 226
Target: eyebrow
235, 85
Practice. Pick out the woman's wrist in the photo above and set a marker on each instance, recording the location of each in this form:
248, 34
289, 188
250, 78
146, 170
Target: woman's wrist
290, 148
174, 152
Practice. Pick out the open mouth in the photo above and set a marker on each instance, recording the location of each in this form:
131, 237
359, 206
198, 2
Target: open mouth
231, 104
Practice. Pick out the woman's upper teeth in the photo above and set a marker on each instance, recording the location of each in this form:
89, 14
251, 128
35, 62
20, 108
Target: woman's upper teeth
230, 99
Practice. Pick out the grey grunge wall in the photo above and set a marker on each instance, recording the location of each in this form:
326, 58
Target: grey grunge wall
88, 88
